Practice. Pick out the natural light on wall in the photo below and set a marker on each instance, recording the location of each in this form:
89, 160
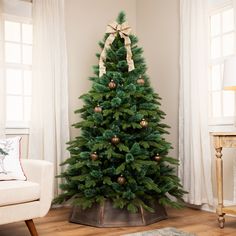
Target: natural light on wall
222, 44
17, 41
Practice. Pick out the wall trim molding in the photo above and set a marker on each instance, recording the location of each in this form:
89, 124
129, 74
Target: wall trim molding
208, 208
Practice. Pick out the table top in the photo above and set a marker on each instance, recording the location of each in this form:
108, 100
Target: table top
223, 133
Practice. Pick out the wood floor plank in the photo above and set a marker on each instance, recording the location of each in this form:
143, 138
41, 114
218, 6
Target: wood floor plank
190, 220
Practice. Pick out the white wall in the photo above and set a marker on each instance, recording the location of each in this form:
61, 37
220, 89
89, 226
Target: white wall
157, 26
156, 23
158, 32
86, 23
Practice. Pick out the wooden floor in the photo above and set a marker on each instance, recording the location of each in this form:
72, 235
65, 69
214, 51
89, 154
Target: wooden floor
55, 224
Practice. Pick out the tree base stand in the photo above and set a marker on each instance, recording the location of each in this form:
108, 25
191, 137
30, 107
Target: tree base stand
107, 216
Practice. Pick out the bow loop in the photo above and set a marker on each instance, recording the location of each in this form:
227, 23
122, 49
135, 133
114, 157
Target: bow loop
113, 29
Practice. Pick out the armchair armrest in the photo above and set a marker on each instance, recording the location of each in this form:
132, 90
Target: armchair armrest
41, 172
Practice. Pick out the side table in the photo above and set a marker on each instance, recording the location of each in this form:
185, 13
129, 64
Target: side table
221, 140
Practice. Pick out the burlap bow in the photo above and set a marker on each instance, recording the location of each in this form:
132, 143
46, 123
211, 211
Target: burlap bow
113, 29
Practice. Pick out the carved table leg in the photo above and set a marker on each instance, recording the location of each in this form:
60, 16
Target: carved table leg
221, 221
219, 177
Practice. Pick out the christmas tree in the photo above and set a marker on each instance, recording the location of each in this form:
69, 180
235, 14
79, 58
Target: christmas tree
121, 154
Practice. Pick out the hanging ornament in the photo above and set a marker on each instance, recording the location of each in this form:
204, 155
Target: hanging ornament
94, 156
121, 180
157, 157
112, 84
141, 81
115, 140
144, 123
98, 109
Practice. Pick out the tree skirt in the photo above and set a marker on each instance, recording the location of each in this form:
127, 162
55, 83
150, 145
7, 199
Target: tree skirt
161, 232
107, 216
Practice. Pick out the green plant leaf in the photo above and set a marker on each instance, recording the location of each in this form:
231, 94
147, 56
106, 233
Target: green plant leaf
120, 168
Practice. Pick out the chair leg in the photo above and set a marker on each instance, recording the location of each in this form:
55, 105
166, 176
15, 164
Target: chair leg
31, 227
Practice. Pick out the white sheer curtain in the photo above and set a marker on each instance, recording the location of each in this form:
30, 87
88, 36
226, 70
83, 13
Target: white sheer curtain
49, 130
2, 81
194, 141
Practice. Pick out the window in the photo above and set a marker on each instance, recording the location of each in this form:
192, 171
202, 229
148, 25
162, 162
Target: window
222, 45
17, 59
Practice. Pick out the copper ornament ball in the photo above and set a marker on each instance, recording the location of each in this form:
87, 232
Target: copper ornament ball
112, 84
115, 140
94, 156
121, 180
144, 123
141, 81
98, 109
157, 157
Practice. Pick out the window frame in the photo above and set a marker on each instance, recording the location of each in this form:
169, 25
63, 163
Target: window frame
16, 127
219, 123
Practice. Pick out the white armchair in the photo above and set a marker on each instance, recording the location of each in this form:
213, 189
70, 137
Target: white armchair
26, 200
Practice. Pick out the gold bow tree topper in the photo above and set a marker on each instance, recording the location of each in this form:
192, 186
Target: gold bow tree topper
114, 29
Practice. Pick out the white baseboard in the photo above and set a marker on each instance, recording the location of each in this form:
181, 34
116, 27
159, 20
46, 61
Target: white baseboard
207, 207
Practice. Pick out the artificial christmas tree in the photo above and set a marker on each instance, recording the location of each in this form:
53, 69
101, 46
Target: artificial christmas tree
121, 155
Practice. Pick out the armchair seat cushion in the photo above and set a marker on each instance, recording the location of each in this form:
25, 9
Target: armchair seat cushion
17, 191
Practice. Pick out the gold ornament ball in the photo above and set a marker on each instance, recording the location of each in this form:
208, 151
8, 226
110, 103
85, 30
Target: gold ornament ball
141, 81
144, 123
121, 180
94, 156
157, 157
112, 84
115, 140
98, 109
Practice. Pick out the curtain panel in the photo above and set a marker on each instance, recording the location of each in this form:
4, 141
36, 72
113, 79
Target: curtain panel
2, 81
49, 129
194, 140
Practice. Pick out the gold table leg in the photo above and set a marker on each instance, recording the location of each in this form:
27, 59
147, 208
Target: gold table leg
219, 178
